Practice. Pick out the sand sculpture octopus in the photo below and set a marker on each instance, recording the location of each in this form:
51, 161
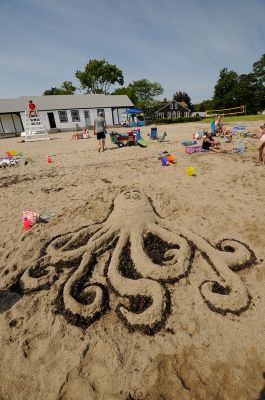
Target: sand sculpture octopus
145, 256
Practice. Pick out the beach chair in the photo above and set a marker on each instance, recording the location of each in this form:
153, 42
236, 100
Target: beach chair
213, 128
163, 138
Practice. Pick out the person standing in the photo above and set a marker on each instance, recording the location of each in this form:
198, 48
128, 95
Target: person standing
99, 130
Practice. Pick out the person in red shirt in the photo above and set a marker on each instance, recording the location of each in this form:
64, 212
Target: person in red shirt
31, 109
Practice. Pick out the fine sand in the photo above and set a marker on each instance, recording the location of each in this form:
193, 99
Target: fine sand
147, 284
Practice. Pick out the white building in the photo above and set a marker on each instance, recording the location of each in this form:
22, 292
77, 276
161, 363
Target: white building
63, 112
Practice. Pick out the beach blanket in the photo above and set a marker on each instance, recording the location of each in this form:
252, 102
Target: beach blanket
193, 149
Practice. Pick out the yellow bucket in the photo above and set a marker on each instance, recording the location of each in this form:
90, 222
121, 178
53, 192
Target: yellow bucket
190, 171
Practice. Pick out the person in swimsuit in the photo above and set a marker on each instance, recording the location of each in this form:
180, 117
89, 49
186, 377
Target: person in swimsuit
261, 148
99, 130
209, 144
221, 129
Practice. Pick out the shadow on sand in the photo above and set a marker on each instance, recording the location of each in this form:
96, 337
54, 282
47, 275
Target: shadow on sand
8, 299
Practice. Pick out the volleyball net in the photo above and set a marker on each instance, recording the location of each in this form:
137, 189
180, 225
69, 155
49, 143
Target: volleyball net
226, 111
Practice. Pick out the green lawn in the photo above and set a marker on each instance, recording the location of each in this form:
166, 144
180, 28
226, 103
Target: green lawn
237, 118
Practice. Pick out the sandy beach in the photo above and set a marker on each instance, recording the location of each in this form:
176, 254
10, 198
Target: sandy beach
147, 284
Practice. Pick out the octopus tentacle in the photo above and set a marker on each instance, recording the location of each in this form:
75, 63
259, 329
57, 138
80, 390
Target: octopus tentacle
226, 294
40, 275
237, 254
149, 320
177, 259
44, 272
71, 239
93, 295
68, 255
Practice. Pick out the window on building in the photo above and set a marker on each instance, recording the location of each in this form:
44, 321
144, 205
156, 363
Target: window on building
169, 114
75, 115
63, 116
178, 113
174, 114
172, 106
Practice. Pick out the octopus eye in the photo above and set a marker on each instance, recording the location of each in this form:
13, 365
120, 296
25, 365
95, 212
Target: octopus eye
136, 196
127, 196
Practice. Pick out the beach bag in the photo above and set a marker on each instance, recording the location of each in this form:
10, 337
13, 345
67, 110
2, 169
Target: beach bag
30, 216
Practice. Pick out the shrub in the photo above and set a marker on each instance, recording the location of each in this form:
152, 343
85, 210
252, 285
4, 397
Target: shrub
177, 120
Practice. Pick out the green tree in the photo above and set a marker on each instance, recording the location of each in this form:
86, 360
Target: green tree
259, 70
246, 93
224, 96
259, 73
127, 91
203, 106
98, 76
145, 92
207, 105
66, 88
183, 96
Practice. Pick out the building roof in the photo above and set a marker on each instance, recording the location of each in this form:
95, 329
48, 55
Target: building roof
65, 102
164, 105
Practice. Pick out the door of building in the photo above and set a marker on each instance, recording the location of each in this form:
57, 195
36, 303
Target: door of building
115, 116
51, 119
87, 118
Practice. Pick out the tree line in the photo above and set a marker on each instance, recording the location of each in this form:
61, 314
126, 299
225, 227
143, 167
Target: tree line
233, 89
99, 75
230, 90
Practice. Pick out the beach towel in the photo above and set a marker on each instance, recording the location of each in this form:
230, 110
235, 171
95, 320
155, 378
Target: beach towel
193, 149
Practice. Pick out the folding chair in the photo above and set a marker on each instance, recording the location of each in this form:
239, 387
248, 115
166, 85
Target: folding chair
163, 138
213, 128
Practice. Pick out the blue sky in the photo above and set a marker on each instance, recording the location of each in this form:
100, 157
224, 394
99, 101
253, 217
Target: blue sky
181, 44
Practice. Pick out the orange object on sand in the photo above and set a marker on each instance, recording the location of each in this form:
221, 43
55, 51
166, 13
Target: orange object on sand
171, 159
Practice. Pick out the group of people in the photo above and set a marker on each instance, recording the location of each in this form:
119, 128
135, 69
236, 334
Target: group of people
209, 143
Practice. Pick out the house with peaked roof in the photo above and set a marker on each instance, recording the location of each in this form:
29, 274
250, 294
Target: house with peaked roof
172, 109
63, 112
